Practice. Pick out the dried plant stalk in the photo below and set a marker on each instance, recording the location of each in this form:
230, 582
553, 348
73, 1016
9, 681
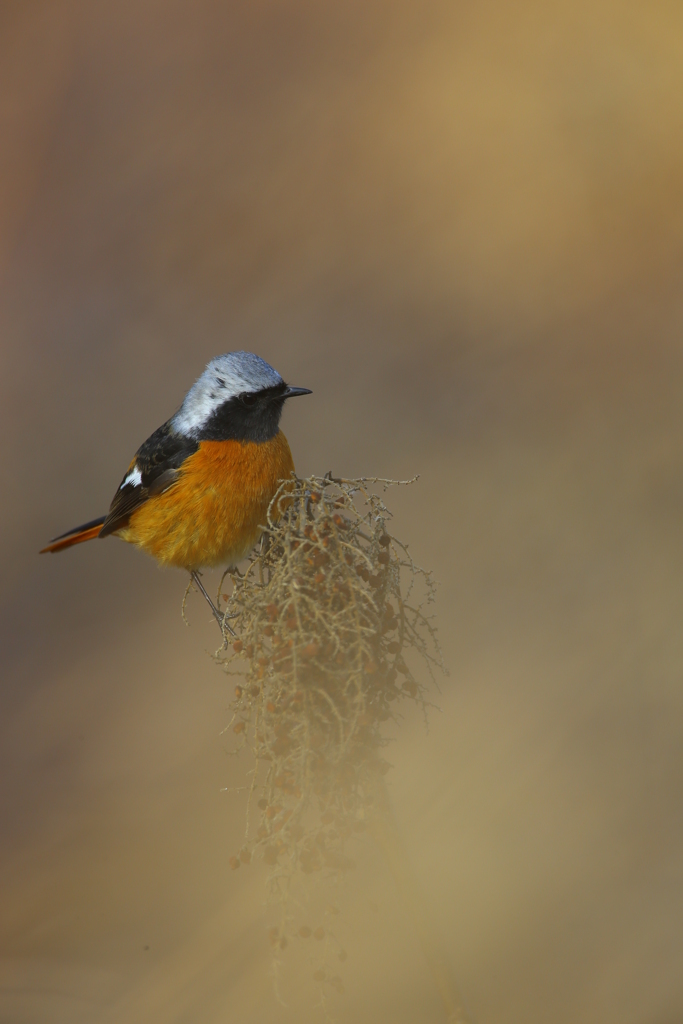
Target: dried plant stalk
327, 617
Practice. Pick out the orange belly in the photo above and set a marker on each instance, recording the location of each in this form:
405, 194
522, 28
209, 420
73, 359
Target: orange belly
212, 514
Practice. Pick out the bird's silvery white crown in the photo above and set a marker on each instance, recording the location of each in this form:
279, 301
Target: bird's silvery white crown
225, 377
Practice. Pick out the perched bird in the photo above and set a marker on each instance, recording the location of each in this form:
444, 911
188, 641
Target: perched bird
198, 489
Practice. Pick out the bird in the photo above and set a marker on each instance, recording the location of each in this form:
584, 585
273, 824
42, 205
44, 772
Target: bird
196, 494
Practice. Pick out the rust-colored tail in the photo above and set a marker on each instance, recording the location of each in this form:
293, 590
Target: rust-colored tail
76, 536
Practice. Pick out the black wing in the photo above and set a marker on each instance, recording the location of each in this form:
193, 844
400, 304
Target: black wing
154, 469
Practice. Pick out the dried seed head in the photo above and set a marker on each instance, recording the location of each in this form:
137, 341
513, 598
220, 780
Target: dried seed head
316, 615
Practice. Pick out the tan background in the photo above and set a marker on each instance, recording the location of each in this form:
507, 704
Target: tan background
461, 224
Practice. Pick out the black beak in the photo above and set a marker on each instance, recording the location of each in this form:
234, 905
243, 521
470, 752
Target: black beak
293, 392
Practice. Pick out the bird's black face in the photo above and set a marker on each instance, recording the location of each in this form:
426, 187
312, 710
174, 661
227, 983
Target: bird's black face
251, 416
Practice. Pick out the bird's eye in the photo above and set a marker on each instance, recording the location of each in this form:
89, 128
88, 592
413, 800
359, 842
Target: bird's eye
248, 399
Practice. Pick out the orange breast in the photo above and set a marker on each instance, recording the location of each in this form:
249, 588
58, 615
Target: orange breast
211, 515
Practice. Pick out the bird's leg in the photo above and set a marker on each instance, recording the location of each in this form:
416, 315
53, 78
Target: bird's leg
220, 619
197, 581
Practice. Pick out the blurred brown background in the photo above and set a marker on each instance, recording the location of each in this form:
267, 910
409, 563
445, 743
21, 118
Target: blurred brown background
461, 225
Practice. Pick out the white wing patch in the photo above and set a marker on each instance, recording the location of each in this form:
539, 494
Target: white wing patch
134, 478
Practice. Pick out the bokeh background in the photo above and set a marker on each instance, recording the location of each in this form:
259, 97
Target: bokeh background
461, 224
